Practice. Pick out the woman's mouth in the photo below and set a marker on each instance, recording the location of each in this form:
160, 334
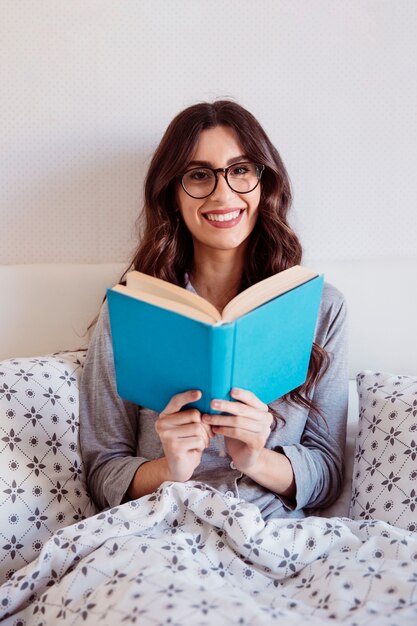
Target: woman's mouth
224, 219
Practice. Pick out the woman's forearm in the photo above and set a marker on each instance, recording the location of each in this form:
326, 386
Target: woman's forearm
148, 477
274, 471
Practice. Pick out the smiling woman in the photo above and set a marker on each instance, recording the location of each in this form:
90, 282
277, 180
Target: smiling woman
221, 217
217, 196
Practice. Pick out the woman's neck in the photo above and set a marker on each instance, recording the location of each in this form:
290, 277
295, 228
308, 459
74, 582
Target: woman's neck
217, 279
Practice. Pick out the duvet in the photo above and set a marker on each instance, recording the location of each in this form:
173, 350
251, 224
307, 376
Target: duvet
190, 555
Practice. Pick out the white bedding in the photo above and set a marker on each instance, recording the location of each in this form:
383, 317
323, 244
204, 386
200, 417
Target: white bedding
189, 555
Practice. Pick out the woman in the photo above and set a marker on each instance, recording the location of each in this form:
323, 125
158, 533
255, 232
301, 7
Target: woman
216, 201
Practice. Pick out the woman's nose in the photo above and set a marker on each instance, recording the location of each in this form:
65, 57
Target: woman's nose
222, 191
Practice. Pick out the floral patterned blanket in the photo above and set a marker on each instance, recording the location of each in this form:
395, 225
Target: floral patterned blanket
190, 555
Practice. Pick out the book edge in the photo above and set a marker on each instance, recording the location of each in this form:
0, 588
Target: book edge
163, 289
174, 307
265, 290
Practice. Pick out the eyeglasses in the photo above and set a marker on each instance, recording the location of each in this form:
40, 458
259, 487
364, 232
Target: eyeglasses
200, 182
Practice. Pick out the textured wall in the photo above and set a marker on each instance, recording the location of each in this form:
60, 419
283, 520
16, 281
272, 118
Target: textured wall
88, 87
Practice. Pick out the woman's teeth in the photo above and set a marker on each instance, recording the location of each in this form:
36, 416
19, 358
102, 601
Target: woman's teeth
222, 217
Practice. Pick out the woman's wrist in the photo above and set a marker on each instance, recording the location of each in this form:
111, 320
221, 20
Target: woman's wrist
274, 471
148, 477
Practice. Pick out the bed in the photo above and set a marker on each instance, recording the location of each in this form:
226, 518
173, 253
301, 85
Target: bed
187, 553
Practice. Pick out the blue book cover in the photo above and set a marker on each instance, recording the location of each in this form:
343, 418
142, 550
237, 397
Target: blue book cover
159, 352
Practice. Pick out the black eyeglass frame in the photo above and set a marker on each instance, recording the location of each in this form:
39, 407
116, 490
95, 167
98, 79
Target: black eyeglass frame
224, 170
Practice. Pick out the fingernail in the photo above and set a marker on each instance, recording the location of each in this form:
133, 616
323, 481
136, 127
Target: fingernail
215, 404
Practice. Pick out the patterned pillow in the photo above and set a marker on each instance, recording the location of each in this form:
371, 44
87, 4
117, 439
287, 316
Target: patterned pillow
385, 468
42, 486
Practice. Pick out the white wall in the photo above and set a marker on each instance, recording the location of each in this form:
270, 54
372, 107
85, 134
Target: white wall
88, 87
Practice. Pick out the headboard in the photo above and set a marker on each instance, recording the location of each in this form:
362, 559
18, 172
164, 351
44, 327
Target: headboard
47, 308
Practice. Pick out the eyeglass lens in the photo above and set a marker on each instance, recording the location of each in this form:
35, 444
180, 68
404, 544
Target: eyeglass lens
200, 182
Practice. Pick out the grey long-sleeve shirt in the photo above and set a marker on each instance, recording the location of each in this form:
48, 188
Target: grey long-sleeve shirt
118, 436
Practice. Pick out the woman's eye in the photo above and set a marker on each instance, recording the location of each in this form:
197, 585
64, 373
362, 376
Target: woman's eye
199, 175
240, 170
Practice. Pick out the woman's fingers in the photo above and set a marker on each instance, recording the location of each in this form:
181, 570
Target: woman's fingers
196, 442
238, 408
173, 420
183, 435
168, 431
253, 424
180, 399
235, 408
243, 395
172, 416
208, 429
246, 417
249, 437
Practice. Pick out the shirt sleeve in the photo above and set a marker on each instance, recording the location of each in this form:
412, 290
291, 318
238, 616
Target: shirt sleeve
108, 424
318, 460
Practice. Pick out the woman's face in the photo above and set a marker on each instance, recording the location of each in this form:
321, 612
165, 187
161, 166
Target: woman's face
219, 147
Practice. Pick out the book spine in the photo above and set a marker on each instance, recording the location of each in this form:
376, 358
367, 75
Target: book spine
222, 361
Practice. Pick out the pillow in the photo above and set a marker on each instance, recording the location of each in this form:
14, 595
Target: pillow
42, 484
384, 482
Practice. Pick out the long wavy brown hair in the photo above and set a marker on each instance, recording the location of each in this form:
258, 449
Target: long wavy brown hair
165, 249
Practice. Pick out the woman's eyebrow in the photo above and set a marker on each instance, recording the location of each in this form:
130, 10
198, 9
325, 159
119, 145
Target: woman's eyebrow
235, 159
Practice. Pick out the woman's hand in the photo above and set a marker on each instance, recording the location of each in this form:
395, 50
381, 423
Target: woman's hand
246, 428
183, 435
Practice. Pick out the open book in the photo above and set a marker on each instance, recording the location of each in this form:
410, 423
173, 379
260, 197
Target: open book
167, 339
161, 293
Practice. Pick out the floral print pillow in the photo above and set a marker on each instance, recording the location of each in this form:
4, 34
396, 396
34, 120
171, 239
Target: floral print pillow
385, 467
42, 484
